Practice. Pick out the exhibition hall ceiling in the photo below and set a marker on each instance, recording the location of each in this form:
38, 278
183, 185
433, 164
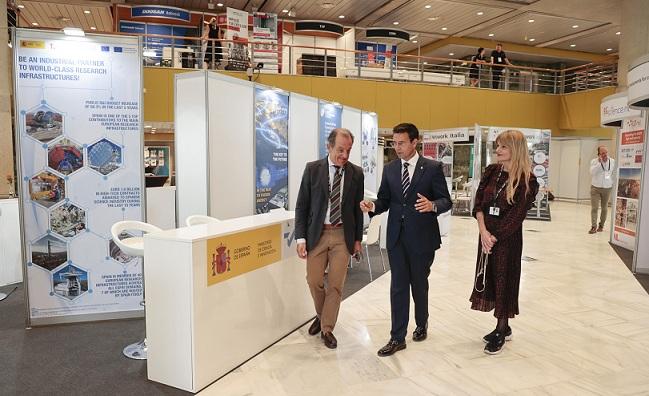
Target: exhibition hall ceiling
577, 25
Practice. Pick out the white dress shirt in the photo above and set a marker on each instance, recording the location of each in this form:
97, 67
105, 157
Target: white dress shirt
602, 173
332, 174
412, 165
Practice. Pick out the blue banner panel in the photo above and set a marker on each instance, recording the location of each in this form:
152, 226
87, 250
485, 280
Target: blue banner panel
329, 118
271, 149
177, 14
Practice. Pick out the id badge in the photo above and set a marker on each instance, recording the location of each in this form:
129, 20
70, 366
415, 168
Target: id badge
494, 211
607, 176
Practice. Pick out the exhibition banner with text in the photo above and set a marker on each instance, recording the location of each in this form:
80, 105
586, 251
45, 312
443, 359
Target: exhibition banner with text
369, 149
271, 149
330, 116
626, 209
80, 138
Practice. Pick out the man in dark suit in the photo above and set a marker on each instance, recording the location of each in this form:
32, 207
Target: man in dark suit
329, 227
413, 188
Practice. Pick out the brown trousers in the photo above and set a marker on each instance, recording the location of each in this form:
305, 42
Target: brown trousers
599, 196
331, 249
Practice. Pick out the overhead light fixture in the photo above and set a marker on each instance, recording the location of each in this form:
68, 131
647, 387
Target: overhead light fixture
479, 13
491, 34
219, 4
433, 18
395, 23
451, 54
93, 28
415, 41
425, 63
34, 23
341, 16
609, 49
284, 11
573, 45
414, 37
575, 26
444, 28
532, 39
21, 6
147, 126
73, 31
327, 4
618, 33
530, 20
86, 11
428, 6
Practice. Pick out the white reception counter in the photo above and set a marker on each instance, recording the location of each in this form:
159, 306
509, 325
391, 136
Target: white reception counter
217, 294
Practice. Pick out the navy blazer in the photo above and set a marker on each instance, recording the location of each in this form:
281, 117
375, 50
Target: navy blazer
420, 229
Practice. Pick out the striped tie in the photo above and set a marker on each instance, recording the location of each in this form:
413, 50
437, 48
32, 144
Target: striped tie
405, 179
334, 197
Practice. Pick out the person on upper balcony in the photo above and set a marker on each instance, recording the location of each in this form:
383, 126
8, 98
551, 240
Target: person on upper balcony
498, 61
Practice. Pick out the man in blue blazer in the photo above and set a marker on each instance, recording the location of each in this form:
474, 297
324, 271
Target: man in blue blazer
413, 188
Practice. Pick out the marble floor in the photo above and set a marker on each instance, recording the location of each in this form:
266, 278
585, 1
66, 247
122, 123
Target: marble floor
583, 329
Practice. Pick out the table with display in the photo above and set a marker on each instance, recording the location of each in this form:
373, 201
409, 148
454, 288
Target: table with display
218, 294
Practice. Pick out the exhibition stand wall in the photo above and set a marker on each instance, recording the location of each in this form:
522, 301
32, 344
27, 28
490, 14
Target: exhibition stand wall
636, 180
230, 166
10, 256
218, 294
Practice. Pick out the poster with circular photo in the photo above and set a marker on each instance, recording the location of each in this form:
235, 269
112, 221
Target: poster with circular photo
540, 157
539, 171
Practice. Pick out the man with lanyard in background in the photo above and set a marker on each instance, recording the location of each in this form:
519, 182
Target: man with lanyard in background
498, 59
601, 172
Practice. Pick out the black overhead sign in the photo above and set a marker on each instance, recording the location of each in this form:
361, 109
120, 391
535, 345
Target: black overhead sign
387, 33
319, 26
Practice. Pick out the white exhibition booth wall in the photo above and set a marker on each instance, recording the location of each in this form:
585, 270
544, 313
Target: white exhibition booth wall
80, 149
633, 182
218, 145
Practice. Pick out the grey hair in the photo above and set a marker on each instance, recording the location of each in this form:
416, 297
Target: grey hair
331, 140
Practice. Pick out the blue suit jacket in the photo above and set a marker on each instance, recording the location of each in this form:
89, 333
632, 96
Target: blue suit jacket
420, 229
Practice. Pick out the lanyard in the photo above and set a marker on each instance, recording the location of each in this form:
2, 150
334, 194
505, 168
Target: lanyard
498, 191
602, 165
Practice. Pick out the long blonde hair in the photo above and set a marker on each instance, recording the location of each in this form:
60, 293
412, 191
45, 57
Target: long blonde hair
521, 165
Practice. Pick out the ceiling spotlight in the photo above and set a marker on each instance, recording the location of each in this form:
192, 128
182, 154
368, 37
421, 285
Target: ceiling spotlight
415, 41
21, 6
341, 16
530, 20
451, 54
532, 39
395, 23
575, 26
573, 45
425, 63
433, 18
618, 33
93, 28
609, 49
34, 23
73, 31
86, 11
284, 11
479, 13
428, 6
444, 28
491, 34
219, 4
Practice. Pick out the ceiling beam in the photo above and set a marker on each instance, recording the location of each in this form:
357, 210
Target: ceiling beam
512, 47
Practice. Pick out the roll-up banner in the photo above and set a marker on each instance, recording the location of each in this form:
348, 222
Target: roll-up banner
271, 149
638, 93
79, 132
236, 32
369, 149
330, 116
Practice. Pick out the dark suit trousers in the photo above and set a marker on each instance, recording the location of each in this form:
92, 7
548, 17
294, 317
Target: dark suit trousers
409, 270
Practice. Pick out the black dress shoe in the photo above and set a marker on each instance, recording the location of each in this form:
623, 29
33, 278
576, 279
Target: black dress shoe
495, 345
420, 333
490, 336
391, 348
329, 340
315, 326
